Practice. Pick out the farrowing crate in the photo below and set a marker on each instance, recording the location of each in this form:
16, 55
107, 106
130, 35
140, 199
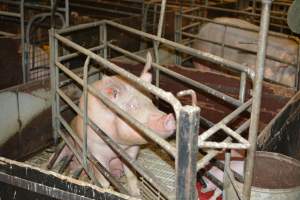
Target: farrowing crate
187, 140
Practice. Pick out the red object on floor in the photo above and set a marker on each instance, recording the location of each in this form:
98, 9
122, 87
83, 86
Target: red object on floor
206, 195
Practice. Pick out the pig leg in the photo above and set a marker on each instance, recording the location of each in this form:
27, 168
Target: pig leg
132, 180
116, 167
216, 194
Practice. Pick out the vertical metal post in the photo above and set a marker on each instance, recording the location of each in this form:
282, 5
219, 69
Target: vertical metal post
242, 92
178, 35
255, 110
227, 168
53, 82
155, 43
85, 110
144, 22
297, 78
103, 39
67, 12
24, 70
186, 145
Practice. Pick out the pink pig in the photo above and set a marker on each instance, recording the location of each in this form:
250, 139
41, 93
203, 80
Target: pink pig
139, 106
235, 165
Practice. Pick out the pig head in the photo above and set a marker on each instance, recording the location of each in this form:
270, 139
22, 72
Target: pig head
138, 105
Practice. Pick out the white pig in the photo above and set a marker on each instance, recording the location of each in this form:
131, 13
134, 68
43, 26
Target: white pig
139, 106
235, 165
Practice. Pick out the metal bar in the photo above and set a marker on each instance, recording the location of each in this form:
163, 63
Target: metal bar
74, 55
56, 154
255, 112
104, 9
53, 52
139, 168
243, 82
10, 14
88, 170
79, 27
196, 53
67, 12
148, 132
103, 39
85, 109
190, 26
24, 77
235, 135
212, 153
166, 96
234, 26
205, 135
186, 145
91, 158
65, 164
28, 4
231, 11
298, 69
199, 85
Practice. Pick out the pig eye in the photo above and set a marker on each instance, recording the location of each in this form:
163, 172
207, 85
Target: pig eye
113, 92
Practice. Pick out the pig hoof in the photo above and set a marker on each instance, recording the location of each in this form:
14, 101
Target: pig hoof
135, 193
117, 173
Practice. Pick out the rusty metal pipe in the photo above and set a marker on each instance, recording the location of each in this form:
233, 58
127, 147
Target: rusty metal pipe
255, 111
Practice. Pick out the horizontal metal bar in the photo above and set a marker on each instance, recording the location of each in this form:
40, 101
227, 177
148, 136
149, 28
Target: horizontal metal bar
74, 55
223, 145
235, 47
114, 11
10, 14
199, 85
190, 26
30, 5
166, 96
235, 26
148, 132
196, 53
40, 188
204, 136
7, 34
79, 27
211, 153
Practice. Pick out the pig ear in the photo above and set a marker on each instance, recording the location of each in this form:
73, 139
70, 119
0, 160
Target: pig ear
146, 76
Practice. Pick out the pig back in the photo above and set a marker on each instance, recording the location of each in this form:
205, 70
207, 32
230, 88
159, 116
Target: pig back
282, 48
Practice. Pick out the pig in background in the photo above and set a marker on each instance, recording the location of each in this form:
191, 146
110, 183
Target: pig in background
136, 104
281, 48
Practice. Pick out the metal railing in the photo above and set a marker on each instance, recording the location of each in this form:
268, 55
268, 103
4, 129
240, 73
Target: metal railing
187, 116
197, 16
31, 57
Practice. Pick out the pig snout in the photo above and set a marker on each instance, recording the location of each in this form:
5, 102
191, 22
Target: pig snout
164, 125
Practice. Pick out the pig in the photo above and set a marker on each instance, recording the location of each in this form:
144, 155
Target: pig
282, 48
236, 165
137, 104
